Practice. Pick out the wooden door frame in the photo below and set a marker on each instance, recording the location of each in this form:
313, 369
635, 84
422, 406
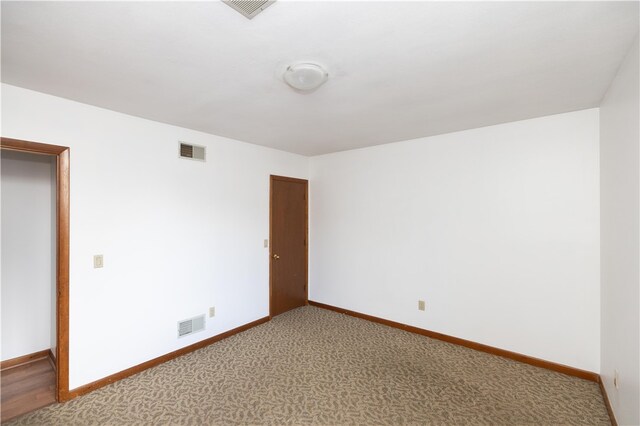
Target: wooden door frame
62, 253
273, 178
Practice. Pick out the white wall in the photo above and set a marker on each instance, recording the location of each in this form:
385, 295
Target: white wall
620, 236
178, 236
496, 228
28, 253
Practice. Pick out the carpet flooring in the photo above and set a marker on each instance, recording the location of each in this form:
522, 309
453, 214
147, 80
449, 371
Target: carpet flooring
313, 366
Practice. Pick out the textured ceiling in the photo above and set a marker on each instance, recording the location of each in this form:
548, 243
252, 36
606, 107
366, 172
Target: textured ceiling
398, 70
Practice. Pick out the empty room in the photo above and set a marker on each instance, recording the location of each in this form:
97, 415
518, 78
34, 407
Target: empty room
320, 212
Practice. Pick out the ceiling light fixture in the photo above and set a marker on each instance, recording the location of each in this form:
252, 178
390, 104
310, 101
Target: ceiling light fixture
305, 76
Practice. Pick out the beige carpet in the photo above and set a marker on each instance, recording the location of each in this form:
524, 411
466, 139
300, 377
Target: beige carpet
312, 366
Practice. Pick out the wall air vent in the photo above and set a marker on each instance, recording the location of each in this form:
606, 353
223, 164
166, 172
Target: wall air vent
190, 326
193, 152
249, 8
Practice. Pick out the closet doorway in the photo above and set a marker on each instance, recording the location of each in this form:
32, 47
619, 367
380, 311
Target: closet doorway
21, 370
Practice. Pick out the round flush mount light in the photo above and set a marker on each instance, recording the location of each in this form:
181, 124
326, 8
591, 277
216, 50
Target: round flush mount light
305, 76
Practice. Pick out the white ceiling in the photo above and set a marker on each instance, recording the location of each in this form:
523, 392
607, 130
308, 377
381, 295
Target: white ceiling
398, 70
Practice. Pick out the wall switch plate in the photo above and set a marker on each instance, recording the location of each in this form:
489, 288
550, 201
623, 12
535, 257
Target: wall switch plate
212, 311
421, 305
266, 243
616, 379
98, 261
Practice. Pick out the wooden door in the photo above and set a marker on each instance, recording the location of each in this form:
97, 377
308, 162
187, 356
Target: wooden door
288, 234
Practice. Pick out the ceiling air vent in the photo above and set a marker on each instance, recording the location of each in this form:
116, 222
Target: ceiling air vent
193, 152
190, 326
249, 8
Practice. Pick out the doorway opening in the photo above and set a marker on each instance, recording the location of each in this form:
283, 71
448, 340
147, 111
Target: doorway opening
288, 235
27, 366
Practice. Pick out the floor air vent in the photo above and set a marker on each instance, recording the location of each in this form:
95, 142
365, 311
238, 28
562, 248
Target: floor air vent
249, 8
193, 152
190, 326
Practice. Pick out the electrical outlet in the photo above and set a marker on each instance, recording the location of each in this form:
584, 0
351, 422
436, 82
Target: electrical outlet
212, 311
98, 261
421, 305
616, 379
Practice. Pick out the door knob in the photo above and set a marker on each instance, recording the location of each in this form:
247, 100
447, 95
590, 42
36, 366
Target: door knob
275, 256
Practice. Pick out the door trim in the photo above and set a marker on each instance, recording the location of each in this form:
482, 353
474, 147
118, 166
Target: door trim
273, 178
62, 253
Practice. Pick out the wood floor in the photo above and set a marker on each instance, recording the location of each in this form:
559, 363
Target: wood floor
27, 387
